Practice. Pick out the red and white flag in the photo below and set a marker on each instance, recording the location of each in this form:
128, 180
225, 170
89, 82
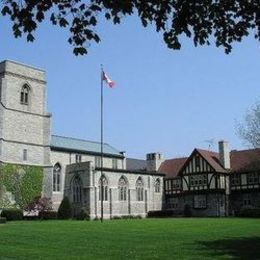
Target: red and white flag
109, 82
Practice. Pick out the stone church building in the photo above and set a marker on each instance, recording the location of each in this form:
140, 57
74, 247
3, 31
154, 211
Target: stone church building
209, 183
71, 166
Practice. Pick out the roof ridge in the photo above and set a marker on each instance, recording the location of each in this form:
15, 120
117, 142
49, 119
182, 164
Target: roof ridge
245, 150
80, 139
176, 158
208, 151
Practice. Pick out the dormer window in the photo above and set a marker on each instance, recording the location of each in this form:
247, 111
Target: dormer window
24, 98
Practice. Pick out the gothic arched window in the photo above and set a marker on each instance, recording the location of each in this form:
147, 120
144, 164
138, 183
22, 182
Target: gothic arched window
77, 189
57, 177
24, 97
157, 185
122, 188
139, 189
104, 182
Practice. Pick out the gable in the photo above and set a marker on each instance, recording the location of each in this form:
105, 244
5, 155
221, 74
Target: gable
196, 164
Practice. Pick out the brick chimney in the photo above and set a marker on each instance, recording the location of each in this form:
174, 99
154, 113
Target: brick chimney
224, 154
153, 161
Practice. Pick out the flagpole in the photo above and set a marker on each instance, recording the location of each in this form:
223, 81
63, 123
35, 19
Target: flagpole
101, 143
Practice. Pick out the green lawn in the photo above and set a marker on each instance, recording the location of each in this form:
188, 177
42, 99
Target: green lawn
178, 238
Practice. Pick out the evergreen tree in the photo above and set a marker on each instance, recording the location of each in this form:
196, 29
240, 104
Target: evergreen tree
65, 211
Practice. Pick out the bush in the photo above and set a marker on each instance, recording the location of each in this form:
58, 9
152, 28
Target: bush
187, 211
39, 204
251, 213
83, 215
2, 220
12, 214
48, 214
29, 217
65, 211
116, 217
161, 214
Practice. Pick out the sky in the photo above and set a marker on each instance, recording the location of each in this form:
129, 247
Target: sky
164, 101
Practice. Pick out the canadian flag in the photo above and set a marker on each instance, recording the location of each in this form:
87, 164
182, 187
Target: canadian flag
109, 82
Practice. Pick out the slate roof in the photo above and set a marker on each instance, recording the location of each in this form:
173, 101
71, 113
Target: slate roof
172, 167
135, 164
241, 161
213, 159
79, 145
245, 160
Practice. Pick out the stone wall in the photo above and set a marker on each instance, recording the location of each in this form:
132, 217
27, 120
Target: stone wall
24, 127
113, 206
216, 204
65, 158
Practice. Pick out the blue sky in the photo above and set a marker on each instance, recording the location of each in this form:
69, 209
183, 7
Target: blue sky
164, 101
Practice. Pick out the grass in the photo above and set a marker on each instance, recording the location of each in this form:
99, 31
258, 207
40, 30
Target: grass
178, 238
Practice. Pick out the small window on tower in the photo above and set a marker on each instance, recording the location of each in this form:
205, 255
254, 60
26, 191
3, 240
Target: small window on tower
25, 154
24, 96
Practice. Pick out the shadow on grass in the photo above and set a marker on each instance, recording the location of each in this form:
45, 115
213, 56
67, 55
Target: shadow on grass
240, 248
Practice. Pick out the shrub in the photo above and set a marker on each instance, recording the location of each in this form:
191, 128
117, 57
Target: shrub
160, 214
12, 214
30, 217
187, 211
251, 213
39, 204
65, 211
116, 217
83, 215
2, 220
48, 214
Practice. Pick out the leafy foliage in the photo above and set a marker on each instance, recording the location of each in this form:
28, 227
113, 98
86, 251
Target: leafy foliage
249, 130
24, 182
224, 21
83, 215
39, 204
48, 214
12, 214
250, 213
2, 220
65, 211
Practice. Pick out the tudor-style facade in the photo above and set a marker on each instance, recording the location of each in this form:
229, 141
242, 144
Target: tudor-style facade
210, 189
201, 184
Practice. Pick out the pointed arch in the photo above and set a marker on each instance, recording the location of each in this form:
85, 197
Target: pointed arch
139, 189
157, 185
77, 189
103, 189
24, 94
122, 188
56, 183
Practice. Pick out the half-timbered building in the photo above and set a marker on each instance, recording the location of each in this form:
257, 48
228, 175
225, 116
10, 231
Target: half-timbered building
211, 183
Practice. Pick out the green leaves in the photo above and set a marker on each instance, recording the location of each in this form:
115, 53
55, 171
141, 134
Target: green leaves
223, 21
25, 183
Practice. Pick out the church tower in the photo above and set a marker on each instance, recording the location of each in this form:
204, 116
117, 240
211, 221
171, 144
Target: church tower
24, 121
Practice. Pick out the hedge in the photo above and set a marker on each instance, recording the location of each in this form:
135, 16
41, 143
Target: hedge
251, 213
12, 214
161, 214
45, 215
2, 220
